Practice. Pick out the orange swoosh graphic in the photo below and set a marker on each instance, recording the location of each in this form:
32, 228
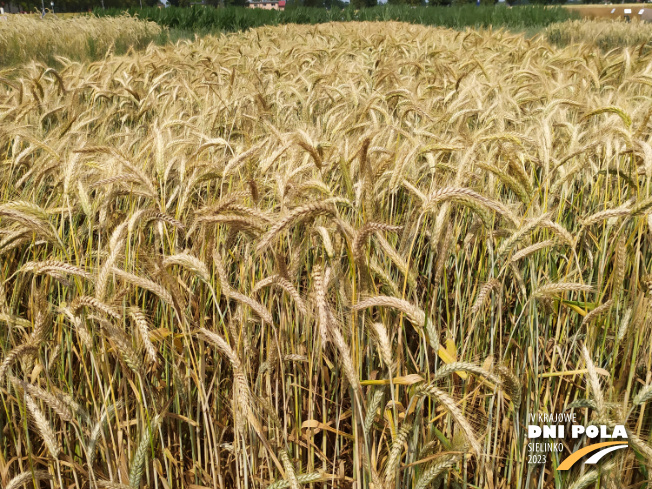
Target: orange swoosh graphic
575, 456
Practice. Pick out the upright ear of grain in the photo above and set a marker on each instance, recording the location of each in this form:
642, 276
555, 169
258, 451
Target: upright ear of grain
144, 328
384, 345
593, 381
44, 427
142, 453
394, 456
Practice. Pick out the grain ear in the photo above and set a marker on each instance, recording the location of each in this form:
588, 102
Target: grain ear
44, 427
32, 475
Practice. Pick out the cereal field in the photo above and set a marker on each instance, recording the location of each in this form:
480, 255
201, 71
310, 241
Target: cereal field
29, 37
347, 255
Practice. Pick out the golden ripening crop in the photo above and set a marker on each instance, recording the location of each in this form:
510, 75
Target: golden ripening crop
323, 255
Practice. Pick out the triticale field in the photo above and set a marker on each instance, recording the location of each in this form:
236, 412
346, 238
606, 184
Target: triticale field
340, 256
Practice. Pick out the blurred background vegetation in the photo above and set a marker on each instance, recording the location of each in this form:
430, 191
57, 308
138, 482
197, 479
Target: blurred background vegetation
201, 20
86, 5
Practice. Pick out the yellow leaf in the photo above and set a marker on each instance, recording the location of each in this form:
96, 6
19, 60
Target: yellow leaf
452, 349
598, 370
404, 380
577, 309
159, 334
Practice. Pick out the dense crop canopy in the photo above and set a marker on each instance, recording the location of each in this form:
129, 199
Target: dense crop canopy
322, 254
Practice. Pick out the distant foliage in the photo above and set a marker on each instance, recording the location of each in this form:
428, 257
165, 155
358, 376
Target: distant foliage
80, 5
235, 19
